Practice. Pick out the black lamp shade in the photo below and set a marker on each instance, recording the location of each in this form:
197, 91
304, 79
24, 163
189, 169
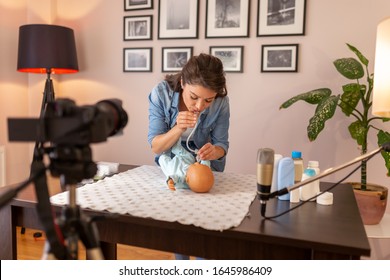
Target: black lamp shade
47, 48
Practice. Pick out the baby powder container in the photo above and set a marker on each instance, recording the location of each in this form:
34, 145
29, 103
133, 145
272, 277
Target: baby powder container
274, 185
307, 191
285, 176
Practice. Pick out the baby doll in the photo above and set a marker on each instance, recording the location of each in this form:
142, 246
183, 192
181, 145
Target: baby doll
183, 171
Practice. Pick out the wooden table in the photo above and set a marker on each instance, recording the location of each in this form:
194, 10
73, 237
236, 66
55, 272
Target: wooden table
310, 232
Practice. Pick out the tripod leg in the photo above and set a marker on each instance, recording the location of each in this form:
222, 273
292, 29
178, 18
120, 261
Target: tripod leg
90, 237
95, 254
47, 255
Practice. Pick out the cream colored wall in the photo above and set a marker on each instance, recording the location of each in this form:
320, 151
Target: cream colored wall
13, 87
255, 97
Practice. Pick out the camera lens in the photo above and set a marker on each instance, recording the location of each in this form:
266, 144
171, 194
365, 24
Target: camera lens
117, 116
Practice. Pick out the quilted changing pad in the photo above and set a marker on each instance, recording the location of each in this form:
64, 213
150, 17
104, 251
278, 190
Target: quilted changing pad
142, 192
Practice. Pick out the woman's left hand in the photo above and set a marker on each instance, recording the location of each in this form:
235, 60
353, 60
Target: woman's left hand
210, 152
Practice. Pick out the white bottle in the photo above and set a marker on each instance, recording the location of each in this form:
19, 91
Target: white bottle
313, 164
298, 165
307, 191
285, 176
274, 185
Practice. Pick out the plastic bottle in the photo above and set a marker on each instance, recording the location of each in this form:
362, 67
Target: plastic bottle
294, 196
285, 175
307, 191
312, 164
274, 185
298, 165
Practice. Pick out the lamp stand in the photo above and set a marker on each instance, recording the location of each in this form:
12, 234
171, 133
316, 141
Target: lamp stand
48, 96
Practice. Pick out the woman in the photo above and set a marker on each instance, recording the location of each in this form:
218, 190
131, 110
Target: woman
196, 94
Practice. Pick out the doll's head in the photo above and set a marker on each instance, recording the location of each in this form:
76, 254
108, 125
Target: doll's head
199, 177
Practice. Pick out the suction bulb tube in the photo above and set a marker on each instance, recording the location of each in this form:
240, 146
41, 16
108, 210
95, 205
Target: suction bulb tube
265, 165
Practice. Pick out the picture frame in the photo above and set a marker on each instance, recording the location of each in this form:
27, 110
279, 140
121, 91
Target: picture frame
231, 57
137, 59
137, 27
131, 5
174, 58
172, 26
279, 58
281, 18
227, 19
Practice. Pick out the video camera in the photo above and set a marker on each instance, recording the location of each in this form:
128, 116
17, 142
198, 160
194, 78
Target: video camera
70, 129
64, 123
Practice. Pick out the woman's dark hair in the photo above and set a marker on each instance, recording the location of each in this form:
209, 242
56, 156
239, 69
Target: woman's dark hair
203, 70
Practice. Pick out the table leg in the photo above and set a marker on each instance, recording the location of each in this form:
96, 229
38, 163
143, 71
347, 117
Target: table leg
7, 234
109, 250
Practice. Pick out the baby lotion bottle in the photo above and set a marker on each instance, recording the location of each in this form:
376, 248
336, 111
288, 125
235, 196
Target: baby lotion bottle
298, 165
312, 164
285, 176
274, 185
307, 191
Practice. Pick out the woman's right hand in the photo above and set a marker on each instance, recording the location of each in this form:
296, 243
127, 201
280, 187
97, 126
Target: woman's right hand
186, 119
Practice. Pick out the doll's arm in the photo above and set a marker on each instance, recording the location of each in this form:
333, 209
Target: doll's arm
171, 184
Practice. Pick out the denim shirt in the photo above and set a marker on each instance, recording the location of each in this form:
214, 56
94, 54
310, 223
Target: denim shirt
213, 124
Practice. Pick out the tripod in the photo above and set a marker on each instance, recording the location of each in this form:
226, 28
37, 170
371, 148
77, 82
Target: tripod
72, 223
71, 164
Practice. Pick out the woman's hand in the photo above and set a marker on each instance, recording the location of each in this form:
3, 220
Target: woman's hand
186, 119
210, 152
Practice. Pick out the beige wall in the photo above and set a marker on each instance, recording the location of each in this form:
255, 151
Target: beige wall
255, 97
13, 86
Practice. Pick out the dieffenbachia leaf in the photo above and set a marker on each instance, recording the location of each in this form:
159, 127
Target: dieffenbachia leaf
361, 57
351, 97
349, 68
358, 131
384, 137
324, 111
313, 97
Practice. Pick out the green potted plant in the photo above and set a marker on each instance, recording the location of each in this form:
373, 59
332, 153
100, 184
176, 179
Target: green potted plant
355, 102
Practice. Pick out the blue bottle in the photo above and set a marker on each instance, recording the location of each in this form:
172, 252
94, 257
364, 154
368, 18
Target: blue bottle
286, 175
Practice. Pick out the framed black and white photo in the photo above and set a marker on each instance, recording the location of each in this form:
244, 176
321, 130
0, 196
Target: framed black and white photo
231, 57
137, 60
226, 19
279, 58
173, 59
281, 17
137, 28
131, 5
178, 19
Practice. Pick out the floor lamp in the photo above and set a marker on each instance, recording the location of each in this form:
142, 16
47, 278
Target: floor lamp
381, 93
46, 49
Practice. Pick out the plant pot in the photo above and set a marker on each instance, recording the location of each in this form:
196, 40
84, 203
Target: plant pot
371, 202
